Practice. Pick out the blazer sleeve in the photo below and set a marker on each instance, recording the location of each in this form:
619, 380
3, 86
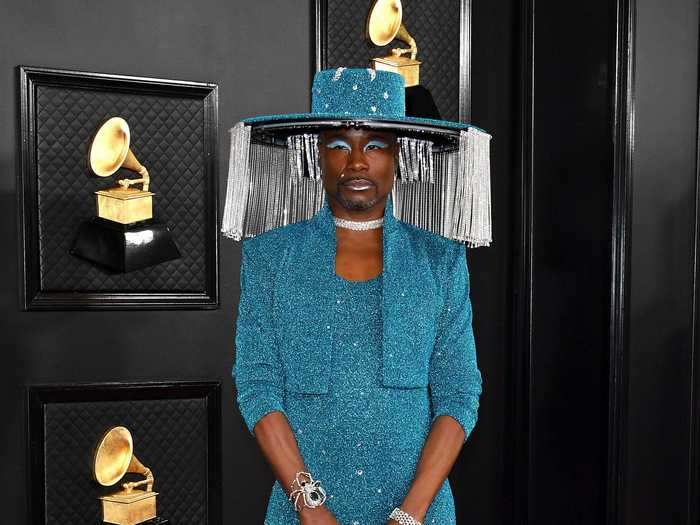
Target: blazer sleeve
257, 370
455, 380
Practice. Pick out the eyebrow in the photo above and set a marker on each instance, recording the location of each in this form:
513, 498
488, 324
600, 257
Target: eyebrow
331, 134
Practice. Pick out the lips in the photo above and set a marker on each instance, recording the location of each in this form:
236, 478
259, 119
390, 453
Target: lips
358, 184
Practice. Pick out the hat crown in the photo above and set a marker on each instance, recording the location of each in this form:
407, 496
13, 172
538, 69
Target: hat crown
358, 93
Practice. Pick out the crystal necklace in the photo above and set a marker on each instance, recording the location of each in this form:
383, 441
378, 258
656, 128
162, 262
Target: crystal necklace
358, 225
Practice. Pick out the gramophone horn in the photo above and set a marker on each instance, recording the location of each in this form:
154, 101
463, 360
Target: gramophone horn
109, 151
384, 21
114, 457
384, 24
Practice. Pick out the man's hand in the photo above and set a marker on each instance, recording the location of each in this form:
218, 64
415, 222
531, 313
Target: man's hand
417, 512
317, 516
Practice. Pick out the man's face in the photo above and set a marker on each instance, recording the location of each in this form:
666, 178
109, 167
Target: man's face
365, 158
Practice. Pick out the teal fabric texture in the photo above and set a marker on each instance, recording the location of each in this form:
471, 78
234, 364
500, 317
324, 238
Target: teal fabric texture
360, 369
359, 91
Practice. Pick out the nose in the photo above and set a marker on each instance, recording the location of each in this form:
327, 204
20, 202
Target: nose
357, 160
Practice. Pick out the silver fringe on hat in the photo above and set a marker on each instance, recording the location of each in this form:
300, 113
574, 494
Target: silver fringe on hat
447, 192
266, 184
450, 193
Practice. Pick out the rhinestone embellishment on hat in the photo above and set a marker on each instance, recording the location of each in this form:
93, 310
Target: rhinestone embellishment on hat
338, 72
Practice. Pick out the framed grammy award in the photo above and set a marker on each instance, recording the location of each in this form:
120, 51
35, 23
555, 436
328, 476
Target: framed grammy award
117, 192
428, 43
125, 453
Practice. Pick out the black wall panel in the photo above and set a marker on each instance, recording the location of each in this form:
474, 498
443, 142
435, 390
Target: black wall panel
567, 92
481, 474
661, 353
605, 365
572, 162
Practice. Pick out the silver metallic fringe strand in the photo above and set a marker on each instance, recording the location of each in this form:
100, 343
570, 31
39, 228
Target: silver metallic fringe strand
472, 205
303, 156
450, 194
415, 159
270, 185
237, 183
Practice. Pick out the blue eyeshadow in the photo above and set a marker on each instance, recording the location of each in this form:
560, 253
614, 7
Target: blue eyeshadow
379, 143
337, 142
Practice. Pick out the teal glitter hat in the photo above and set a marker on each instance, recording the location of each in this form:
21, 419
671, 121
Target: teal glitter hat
349, 96
443, 174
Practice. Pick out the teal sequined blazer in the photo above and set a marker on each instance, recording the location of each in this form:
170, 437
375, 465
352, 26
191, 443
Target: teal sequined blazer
285, 324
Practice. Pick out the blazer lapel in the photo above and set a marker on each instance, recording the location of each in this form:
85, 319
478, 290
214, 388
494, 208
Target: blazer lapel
307, 304
407, 305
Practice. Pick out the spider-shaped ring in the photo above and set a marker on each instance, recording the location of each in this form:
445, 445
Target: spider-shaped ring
311, 491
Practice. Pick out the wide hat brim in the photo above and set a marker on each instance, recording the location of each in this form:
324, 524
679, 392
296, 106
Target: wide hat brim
276, 128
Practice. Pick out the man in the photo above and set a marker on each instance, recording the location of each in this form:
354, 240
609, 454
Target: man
355, 359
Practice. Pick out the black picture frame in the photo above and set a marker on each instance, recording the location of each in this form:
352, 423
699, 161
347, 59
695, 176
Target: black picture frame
34, 292
320, 49
40, 427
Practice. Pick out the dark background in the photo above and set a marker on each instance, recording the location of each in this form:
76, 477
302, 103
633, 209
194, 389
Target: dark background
589, 407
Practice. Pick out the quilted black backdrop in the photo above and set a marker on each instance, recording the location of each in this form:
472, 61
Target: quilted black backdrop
436, 27
173, 133
166, 136
172, 437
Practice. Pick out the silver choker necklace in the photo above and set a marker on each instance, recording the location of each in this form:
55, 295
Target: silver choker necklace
358, 225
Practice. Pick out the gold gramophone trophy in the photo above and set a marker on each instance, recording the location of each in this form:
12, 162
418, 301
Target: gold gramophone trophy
114, 457
123, 236
384, 24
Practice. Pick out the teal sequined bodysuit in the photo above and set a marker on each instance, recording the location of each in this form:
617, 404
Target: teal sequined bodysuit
363, 440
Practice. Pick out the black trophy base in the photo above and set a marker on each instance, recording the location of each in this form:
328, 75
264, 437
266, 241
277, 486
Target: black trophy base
420, 103
152, 521
124, 247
